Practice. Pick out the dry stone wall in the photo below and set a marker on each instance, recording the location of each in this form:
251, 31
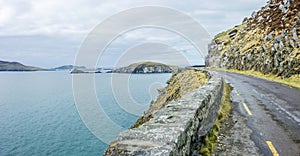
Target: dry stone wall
177, 129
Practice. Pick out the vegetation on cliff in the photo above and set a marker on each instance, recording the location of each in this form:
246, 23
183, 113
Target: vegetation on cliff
178, 84
267, 42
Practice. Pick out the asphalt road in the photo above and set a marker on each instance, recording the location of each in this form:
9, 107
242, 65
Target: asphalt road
271, 110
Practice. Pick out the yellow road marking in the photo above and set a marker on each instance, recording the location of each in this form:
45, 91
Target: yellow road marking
247, 109
272, 148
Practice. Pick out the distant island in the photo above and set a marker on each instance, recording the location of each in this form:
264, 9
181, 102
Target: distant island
146, 68
68, 68
16, 66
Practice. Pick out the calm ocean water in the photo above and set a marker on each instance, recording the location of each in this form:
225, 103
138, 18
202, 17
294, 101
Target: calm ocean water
38, 115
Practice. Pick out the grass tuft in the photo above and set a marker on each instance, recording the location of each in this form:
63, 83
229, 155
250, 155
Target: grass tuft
293, 81
212, 137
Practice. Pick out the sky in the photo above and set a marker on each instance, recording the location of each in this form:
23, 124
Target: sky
50, 33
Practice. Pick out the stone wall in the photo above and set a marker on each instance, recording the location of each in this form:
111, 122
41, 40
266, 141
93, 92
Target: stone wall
177, 129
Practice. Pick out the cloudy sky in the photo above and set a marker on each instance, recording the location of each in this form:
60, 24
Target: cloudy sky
49, 33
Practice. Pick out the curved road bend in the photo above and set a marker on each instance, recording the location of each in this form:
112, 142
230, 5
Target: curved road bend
272, 111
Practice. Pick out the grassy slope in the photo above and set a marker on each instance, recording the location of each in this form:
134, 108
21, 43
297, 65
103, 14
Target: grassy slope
293, 81
178, 84
224, 37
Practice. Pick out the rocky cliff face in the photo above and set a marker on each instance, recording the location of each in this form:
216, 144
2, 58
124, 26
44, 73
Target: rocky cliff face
144, 68
268, 41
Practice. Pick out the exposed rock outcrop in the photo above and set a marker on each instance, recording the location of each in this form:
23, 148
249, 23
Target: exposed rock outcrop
268, 41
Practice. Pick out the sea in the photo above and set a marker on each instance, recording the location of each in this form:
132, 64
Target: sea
39, 115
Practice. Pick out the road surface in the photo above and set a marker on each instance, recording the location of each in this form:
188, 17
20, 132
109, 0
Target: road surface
272, 112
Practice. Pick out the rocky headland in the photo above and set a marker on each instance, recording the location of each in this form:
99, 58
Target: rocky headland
146, 68
16, 66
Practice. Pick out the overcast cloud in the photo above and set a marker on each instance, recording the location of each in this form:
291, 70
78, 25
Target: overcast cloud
49, 33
